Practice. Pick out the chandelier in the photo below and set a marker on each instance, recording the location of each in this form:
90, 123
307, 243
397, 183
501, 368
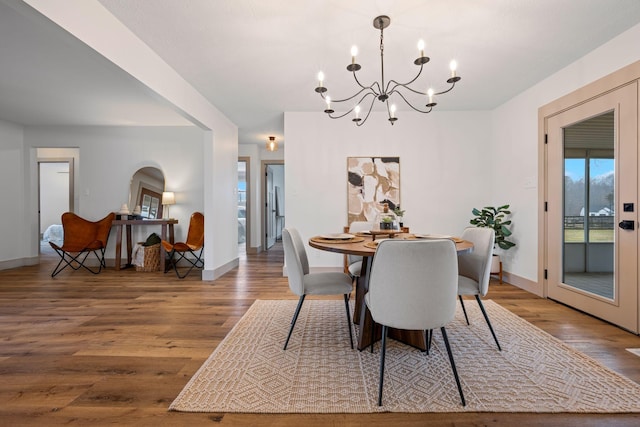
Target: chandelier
381, 90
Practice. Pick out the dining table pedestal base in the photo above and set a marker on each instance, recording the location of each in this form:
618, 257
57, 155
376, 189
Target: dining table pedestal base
368, 331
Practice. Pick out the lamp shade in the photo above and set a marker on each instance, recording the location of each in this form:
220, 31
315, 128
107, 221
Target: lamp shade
272, 144
168, 198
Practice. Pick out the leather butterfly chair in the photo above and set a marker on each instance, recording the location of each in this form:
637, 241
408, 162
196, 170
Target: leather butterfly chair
81, 238
193, 246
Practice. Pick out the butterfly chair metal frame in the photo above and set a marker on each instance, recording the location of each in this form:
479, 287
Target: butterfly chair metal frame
194, 245
82, 238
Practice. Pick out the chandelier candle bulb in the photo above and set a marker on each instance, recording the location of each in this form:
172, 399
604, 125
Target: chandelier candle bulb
392, 110
453, 66
354, 53
421, 47
320, 78
356, 111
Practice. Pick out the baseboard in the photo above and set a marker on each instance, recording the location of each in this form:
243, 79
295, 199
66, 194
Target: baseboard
220, 271
522, 283
20, 262
254, 250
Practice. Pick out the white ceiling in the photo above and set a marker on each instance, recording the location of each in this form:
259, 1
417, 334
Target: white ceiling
256, 59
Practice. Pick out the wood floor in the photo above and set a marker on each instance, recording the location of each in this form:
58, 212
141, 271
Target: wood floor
117, 348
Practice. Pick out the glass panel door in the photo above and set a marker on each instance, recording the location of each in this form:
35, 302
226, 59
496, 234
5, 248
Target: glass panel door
589, 189
591, 185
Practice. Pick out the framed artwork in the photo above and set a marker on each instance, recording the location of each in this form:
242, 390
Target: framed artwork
371, 181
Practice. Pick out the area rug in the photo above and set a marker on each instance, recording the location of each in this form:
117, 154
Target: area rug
319, 373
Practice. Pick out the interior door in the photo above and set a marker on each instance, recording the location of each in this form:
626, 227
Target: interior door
592, 203
270, 208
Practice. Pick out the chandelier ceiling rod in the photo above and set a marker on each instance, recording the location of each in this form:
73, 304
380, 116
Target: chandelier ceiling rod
380, 91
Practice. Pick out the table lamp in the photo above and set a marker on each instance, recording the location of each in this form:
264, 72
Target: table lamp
168, 198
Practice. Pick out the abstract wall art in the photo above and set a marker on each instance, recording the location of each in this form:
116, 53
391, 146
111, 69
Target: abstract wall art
371, 181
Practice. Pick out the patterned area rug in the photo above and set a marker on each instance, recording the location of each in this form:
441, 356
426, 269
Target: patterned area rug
319, 373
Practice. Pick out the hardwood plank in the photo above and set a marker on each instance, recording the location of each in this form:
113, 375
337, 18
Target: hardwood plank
118, 347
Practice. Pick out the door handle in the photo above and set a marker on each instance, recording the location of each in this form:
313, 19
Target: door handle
627, 225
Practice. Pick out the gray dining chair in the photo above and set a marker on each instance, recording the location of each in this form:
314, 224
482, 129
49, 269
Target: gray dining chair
474, 270
412, 286
303, 283
354, 262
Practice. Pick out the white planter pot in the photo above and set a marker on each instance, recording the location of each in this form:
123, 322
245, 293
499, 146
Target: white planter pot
495, 264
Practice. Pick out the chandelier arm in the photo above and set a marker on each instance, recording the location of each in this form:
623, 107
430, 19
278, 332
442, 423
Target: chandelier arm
368, 112
341, 115
404, 85
410, 105
445, 91
371, 87
373, 93
353, 108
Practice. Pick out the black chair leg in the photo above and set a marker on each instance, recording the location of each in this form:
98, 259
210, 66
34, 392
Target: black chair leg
463, 309
429, 339
197, 263
295, 318
373, 334
453, 365
484, 313
71, 261
382, 356
346, 304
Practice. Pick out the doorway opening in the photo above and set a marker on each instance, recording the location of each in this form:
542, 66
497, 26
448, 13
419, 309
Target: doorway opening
55, 197
243, 206
273, 206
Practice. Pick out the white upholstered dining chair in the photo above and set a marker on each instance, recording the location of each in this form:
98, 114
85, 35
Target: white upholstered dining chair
354, 262
413, 286
475, 269
303, 283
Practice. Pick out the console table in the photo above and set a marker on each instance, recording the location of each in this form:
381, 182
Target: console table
128, 223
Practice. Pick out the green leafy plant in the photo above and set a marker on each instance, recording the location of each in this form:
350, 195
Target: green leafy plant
492, 217
399, 212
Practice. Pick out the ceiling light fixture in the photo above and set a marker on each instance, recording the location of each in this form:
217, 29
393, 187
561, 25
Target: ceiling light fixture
272, 144
381, 90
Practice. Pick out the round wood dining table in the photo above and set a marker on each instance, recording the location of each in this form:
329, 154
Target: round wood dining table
363, 244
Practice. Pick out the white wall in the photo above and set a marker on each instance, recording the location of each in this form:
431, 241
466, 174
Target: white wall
515, 145
445, 169
13, 172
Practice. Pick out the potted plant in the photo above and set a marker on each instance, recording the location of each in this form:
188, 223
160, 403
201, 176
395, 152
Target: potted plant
400, 214
386, 223
494, 217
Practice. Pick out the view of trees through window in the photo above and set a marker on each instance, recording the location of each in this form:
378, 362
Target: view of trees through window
591, 199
